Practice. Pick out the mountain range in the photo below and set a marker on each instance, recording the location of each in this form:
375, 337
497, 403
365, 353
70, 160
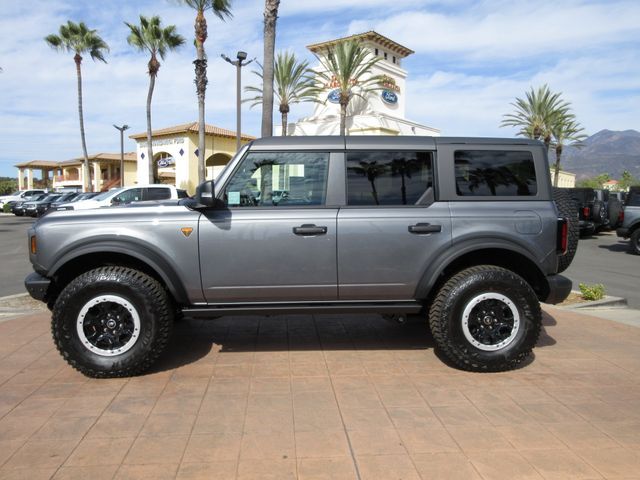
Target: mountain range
607, 151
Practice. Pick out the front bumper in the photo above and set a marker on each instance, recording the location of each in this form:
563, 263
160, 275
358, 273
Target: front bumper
37, 285
622, 232
559, 289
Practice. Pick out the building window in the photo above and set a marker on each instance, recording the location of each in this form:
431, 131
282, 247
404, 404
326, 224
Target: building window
388, 178
490, 173
385, 55
377, 52
394, 59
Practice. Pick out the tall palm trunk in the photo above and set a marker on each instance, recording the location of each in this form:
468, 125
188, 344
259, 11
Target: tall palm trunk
343, 118
152, 83
201, 88
284, 111
86, 172
270, 18
556, 173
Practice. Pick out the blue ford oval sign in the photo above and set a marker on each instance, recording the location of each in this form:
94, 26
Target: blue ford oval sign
334, 96
389, 97
165, 162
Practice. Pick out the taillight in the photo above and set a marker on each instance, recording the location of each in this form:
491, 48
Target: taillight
586, 212
562, 243
621, 217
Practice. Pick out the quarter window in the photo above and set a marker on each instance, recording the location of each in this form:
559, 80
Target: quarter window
158, 193
271, 179
388, 178
491, 173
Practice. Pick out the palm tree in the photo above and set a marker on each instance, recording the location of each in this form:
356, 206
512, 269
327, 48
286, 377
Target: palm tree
537, 113
348, 65
151, 37
565, 131
293, 84
79, 39
371, 170
270, 18
222, 10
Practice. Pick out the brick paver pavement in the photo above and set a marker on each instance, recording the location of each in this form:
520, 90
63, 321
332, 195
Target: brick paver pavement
324, 397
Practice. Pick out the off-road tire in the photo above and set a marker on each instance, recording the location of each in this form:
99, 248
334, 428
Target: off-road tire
446, 318
567, 208
145, 294
634, 242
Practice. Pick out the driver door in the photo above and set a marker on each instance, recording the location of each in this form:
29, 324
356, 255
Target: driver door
275, 240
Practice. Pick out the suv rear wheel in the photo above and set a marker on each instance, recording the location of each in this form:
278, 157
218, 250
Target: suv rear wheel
112, 322
634, 242
485, 318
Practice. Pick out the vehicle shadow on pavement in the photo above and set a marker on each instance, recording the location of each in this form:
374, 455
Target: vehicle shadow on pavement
617, 247
195, 339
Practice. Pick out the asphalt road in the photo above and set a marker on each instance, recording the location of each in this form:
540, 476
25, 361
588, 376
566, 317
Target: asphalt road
600, 259
14, 256
604, 258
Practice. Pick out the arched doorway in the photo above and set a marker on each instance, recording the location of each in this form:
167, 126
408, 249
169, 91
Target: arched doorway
215, 163
164, 168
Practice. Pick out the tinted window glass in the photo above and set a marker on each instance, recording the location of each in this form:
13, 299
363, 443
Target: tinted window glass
495, 173
388, 178
633, 197
182, 194
158, 193
268, 179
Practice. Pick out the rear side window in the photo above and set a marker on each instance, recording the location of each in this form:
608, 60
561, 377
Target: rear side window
495, 173
158, 193
388, 178
633, 197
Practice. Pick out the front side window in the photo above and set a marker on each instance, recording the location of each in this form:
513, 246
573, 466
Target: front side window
128, 196
271, 179
491, 173
388, 178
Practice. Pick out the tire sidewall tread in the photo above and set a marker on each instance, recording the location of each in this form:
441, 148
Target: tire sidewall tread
144, 292
445, 318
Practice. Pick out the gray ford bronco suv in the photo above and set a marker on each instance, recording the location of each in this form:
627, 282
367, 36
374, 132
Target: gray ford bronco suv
464, 231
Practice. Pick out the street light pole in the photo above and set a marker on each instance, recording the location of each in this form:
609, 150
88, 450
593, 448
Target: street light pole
122, 129
241, 56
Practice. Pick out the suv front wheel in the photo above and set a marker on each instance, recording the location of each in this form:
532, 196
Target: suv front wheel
486, 318
112, 322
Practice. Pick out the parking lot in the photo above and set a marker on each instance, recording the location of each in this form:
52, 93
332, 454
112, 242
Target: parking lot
324, 397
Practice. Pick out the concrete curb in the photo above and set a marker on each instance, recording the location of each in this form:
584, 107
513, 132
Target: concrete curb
607, 302
16, 295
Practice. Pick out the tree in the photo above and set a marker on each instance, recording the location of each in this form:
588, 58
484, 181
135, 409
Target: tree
347, 66
627, 180
293, 84
79, 39
270, 19
152, 38
536, 114
565, 131
222, 10
594, 182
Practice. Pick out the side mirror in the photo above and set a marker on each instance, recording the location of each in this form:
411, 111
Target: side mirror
205, 194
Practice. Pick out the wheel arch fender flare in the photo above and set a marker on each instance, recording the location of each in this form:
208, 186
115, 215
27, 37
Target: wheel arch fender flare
121, 247
479, 251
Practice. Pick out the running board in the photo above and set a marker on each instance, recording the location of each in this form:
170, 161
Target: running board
216, 310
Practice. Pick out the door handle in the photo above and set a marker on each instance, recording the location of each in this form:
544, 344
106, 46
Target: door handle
309, 229
425, 228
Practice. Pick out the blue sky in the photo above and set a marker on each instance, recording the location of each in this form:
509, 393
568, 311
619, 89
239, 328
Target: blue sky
472, 59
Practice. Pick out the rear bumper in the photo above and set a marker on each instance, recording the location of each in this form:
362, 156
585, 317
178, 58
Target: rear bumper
622, 232
559, 289
37, 285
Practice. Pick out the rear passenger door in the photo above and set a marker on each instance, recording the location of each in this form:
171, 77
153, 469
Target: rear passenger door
391, 227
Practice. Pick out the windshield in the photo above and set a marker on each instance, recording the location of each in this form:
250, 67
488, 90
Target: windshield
50, 198
109, 194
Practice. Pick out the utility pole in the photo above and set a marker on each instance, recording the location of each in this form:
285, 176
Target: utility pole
122, 129
241, 57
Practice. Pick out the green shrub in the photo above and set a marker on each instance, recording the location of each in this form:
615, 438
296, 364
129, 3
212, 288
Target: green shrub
6, 208
592, 292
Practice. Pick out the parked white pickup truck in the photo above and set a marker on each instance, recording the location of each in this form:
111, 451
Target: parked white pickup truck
19, 196
126, 195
